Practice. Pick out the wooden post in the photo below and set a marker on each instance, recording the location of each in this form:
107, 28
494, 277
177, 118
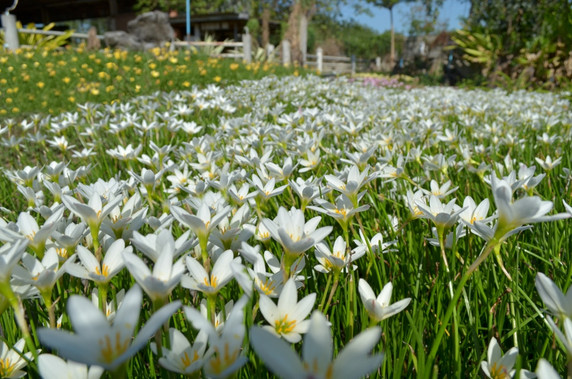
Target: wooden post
378, 63
247, 47
320, 59
269, 51
286, 57
353, 64
304, 38
11, 41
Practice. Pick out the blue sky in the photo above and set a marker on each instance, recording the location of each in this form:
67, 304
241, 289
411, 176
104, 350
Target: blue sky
449, 13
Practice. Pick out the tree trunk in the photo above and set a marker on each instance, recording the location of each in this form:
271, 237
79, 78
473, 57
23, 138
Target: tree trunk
293, 30
265, 26
392, 48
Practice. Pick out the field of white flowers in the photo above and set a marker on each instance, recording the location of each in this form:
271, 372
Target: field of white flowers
302, 227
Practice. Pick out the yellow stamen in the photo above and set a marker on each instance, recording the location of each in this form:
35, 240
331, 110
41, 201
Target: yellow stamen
213, 282
187, 361
104, 271
6, 367
499, 372
268, 286
109, 352
283, 326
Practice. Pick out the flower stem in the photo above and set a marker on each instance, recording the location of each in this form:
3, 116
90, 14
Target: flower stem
325, 292
332, 291
18, 308
452, 305
47, 297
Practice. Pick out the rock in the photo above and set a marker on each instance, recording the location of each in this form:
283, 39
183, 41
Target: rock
122, 40
151, 27
93, 43
148, 30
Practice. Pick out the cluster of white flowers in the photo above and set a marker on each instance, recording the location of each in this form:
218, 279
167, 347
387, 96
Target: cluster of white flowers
281, 173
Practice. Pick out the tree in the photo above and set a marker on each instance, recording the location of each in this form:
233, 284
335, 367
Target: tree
388, 4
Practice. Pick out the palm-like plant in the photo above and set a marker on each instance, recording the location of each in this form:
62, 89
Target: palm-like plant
388, 4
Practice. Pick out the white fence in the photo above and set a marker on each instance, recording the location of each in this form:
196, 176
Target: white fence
243, 50
340, 64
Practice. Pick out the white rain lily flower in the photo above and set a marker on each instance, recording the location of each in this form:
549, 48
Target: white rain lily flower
412, 199
376, 244
269, 284
241, 195
342, 211
312, 160
182, 357
38, 236
307, 190
498, 365
474, 213
202, 223
220, 275
442, 215
337, 259
68, 239
449, 239
165, 276
513, 215
293, 232
440, 191
41, 274
10, 255
100, 272
96, 341
379, 307
548, 164
152, 245
225, 354
93, 212
268, 190
354, 182
544, 370
109, 307
123, 221
53, 367
281, 173
12, 360
558, 303
566, 337
354, 361
568, 208
125, 153
287, 318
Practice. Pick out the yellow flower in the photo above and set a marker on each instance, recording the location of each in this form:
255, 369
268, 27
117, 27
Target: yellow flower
66, 80
233, 66
155, 74
217, 78
186, 84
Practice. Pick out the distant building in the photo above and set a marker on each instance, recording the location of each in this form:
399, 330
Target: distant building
115, 14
